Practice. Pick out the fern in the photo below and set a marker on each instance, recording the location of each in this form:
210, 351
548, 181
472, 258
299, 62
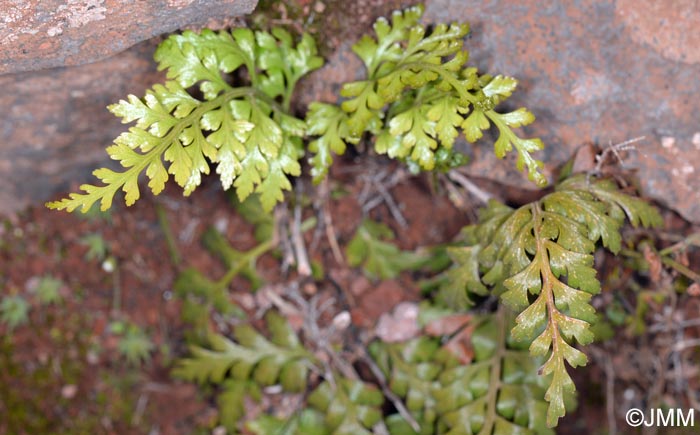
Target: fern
14, 311
350, 407
417, 97
246, 129
499, 392
227, 102
378, 258
253, 361
538, 259
308, 422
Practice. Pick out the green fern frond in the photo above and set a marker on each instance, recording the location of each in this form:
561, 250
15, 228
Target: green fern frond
253, 140
378, 258
243, 367
330, 124
499, 392
350, 407
463, 279
253, 357
307, 421
538, 258
419, 94
413, 370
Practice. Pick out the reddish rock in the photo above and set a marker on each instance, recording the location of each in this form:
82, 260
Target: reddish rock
39, 34
599, 71
56, 126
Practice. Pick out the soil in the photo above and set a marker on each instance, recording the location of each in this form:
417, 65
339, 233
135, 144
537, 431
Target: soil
76, 336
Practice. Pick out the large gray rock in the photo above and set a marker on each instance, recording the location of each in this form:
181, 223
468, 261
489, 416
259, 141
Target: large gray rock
37, 34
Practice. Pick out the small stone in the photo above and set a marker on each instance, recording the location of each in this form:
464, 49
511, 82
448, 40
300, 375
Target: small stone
696, 140
342, 320
109, 265
69, 391
668, 142
92, 358
401, 325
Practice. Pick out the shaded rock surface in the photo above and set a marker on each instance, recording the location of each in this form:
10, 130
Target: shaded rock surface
591, 71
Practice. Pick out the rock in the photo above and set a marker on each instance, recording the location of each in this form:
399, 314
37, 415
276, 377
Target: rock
598, 71
38, 34
56, 126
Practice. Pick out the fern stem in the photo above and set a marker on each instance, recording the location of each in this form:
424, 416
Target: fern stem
448, 77
546, 275
175, 257
681, 268
244, 261
495, 362
256, 252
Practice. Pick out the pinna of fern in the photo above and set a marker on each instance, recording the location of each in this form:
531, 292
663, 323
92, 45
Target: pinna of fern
538, 260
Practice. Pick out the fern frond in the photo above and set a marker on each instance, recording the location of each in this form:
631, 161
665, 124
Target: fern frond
419, 94
241, 368
282, 359
378, 258
499, 392
329, 123
350, 406
254, 141
543, 250
463, 279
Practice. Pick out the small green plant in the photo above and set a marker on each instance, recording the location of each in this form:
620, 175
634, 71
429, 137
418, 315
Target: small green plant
380, 259
97, 247
134, 345
228, 102
48, 290
14, 311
